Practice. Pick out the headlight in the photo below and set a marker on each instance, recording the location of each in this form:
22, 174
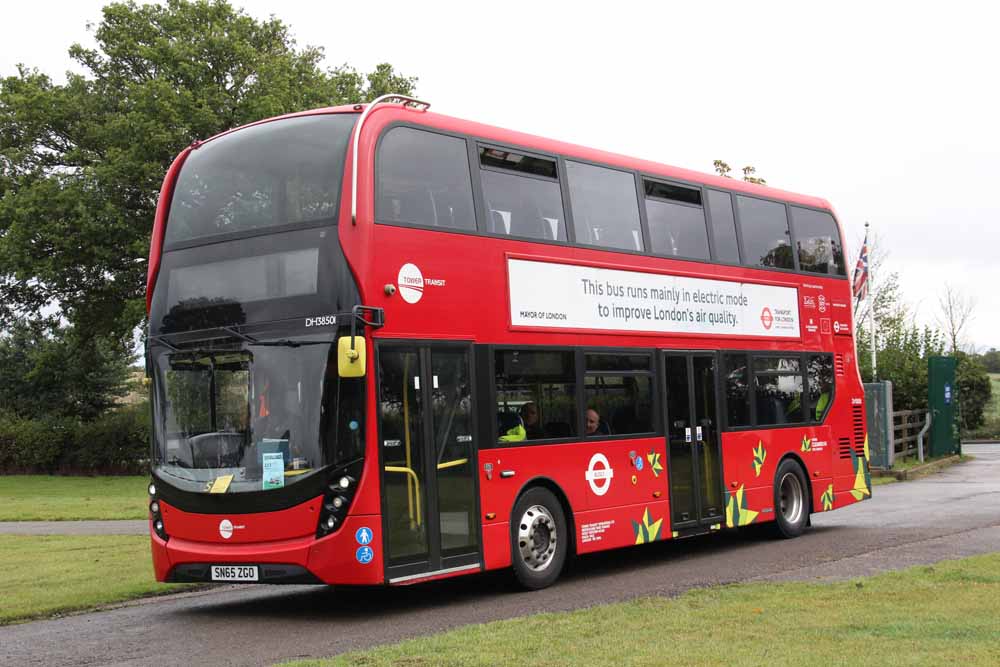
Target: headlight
154, 507
152, 489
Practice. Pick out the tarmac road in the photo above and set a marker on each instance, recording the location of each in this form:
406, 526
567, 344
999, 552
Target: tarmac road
951, 514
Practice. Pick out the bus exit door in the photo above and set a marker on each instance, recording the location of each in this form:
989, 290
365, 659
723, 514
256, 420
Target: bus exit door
428, 460
693, 448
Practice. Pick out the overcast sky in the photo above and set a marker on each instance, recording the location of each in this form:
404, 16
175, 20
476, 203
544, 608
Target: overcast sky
889, 111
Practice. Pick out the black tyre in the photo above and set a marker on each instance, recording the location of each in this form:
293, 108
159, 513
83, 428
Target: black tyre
539, 538
791, 500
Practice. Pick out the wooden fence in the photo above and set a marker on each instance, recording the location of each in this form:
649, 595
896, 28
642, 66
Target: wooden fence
906, 425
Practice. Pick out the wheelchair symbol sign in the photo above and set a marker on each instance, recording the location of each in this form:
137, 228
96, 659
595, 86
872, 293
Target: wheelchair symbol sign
363, 535
365, 555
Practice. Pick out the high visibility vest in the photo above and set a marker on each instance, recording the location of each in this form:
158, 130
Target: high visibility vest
824, 400
515, 434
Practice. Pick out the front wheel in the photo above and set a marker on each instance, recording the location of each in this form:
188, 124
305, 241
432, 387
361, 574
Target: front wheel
791, 500
539, 538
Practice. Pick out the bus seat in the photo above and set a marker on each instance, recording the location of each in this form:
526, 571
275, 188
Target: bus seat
417, 207
558, 430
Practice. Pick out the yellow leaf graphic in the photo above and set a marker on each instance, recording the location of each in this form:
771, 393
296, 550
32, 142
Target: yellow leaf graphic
737, 513
827, 498
860, 490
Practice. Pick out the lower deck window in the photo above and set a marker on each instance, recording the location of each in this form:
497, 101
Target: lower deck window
536, 395
778, 385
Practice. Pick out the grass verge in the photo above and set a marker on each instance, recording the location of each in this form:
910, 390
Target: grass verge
48, 575
936, 615
58, 498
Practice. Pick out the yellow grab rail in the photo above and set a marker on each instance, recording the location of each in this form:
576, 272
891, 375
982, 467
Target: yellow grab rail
411, 477
452, 464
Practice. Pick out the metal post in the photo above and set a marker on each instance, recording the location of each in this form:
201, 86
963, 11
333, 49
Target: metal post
871, 291
920, 438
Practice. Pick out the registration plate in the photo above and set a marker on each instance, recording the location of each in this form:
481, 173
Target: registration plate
234, 573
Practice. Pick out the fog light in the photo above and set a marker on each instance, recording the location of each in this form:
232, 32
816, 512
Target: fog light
338, 502
152, 489
345, 482
154, 507
331, 521
159, 526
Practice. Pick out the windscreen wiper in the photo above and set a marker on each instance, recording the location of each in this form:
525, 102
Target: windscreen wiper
159, 340
282, 342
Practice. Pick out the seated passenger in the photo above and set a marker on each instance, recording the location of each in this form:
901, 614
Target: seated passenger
595, 425
532, 425
510, 428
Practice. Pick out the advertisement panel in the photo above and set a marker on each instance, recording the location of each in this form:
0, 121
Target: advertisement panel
568, 296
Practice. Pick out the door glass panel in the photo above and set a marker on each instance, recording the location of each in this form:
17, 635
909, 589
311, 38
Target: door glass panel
705, 418
451, 406
678, 423
402, 455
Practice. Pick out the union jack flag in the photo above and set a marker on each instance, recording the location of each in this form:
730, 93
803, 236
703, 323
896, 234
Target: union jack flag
861, 272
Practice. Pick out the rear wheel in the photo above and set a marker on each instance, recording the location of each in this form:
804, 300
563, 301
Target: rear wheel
539, 539
791, 500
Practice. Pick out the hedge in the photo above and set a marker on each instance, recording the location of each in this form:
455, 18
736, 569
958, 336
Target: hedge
117, 442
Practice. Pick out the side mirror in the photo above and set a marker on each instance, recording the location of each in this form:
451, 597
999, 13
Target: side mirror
351, 358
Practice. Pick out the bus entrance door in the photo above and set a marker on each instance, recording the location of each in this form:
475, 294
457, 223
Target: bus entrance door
426, 431
694, 463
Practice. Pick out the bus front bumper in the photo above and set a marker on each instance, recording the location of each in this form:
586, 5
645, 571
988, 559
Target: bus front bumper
337, 558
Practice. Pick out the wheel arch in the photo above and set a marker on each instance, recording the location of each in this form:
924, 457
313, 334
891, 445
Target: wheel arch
805, 471
550, 485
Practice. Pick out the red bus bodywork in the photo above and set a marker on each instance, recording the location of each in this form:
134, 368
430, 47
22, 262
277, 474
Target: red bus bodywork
465, 298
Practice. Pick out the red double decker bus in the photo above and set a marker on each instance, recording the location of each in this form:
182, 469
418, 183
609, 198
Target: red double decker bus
388, 346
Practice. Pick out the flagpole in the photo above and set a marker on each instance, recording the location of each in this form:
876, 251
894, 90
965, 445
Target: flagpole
871, 307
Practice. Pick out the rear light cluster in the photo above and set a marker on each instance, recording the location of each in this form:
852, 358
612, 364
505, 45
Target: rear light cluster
155, 515
337, 499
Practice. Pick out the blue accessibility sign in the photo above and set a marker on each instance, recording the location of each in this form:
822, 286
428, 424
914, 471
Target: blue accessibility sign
363, 535
365, 555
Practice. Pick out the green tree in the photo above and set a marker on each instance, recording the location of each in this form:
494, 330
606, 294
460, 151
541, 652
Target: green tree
991, 360
81, 163
974, 391
903, 348
722, 168
50, 370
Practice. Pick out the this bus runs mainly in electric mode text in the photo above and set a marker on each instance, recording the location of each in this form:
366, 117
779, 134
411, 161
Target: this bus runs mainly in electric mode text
389, 346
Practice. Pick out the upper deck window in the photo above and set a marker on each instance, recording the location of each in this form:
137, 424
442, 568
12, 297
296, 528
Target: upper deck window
278, 173
766, 239
720, 211
818, 242
605, 207
676, 221
423, 179
522, 195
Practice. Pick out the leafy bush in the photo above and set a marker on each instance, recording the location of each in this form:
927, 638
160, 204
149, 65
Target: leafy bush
116, 442
33, 444
974, 391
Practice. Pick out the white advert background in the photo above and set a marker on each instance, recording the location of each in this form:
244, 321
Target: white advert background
545, 294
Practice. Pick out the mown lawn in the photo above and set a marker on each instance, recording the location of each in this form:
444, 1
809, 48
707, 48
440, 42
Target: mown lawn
46, 575
58, 498
946, 614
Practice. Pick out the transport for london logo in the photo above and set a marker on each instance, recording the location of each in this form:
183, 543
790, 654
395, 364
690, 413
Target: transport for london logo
599, 474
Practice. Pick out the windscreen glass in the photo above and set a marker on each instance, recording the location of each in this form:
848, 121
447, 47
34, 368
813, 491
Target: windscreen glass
253, 417
277, 173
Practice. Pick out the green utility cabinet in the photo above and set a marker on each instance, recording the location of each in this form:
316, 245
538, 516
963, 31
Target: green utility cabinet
943, 401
